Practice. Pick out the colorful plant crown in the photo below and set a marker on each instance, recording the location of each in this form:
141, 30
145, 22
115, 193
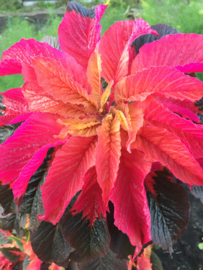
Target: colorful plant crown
93, 139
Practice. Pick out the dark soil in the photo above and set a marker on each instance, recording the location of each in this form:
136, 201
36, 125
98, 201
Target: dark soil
187, 255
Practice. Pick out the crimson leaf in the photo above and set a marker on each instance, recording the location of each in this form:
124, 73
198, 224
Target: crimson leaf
170, 210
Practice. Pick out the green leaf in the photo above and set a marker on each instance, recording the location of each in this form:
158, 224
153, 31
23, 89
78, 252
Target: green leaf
4, 239
26, 262
11, 253
200, 246
18, 242
156, 263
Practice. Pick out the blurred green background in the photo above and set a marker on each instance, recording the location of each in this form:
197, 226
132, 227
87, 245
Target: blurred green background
184, 15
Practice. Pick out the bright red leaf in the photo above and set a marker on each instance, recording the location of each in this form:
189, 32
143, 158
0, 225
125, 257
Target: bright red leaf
131, 211
115, 47
90, 199
16, 107
65, 176
36, 132
81, 41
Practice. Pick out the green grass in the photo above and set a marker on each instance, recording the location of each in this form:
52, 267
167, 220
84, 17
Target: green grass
184, 15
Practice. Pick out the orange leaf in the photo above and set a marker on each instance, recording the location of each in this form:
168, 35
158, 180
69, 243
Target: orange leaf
53, 266
94, 75
106, 93
79, 127
143, 262
135, 119
57, 82
108, 154
46, 103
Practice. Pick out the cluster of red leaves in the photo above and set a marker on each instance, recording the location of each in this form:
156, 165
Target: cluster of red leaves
105, 139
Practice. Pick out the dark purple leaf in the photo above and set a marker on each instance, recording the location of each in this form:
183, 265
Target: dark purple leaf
120, 243
14, 221
197, 191
170, 210
49, 243
85, 12
107, 262
89, 242
162, 30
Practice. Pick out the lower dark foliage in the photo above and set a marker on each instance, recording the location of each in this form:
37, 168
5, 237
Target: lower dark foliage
90, 242
170, 210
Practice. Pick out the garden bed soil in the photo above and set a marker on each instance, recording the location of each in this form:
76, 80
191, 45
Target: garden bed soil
187, 255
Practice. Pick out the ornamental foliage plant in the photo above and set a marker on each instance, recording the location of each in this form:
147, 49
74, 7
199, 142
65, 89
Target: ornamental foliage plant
96, 142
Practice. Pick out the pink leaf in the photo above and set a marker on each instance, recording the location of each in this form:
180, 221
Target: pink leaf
90, 199
16, 107
143, 263
65, 177
165, 80
185, 108
20, 185
183, 51
115, 50
20, 54
17, 150
81, 41
192, 134
131, 212
166, 148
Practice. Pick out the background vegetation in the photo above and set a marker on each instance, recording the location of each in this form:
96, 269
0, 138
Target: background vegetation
184, 15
